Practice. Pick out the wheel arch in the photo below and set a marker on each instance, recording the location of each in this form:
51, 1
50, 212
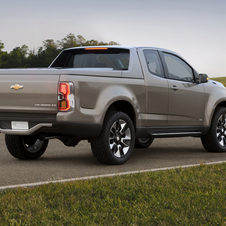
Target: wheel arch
215, 139
220, 104
123, 106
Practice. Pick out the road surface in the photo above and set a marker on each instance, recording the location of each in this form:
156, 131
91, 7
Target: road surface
61, 162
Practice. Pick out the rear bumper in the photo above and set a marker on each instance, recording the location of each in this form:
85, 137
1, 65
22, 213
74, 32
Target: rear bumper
47, 125
25, 132
81, 130
77, 129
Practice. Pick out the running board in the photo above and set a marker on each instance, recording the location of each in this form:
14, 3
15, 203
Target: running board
176, 134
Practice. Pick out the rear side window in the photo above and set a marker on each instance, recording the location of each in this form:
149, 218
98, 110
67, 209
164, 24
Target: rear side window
115, 58
153, 62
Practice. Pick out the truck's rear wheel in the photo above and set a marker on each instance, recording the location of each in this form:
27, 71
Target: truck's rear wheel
215, 140
143, 142
25, 147
116, 142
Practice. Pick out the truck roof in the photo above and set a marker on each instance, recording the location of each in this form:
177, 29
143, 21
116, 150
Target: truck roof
121, 47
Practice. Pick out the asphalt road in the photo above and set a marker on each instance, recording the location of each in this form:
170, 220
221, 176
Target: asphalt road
61, 162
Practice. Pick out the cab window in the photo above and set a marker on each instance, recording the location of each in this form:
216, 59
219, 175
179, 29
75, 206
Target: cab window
177, 68
153, 62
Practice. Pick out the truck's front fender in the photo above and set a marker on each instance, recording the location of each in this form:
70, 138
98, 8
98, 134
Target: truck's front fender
214, 97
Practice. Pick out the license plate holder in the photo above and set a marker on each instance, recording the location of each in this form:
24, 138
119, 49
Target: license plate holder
17, 125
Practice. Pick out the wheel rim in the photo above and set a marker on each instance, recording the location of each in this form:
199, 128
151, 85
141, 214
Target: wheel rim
143, 140
120, 138
221, 130
32, 145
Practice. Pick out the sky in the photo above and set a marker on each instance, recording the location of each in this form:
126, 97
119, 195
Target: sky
196, 29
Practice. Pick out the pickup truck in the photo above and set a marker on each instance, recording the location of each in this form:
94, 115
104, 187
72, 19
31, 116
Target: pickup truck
116, 97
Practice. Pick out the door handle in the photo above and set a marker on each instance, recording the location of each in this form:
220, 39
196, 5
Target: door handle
174, 88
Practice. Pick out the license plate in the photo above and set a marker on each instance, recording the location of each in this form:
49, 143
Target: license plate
19, 125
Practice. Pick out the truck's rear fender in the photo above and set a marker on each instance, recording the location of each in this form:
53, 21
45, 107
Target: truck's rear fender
94, 96
115, 97
125, 102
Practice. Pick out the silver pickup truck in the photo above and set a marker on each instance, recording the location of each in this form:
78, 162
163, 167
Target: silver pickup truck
115, 97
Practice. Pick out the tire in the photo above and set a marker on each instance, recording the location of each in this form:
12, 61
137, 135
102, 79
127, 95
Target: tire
215, 140
25, 147
143, 142
116, 142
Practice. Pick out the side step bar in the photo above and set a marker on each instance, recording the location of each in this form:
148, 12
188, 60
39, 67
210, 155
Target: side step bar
176, 134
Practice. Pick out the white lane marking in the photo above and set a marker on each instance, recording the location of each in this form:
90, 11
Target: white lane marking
104, 175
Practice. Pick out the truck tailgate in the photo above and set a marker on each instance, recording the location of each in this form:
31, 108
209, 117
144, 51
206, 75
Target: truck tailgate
28, 93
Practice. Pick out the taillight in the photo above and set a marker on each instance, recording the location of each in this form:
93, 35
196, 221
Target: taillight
64, 91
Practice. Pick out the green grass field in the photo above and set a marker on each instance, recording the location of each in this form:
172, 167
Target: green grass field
193, 196
220, 79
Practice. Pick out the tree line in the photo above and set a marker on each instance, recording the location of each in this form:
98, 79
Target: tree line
22, 57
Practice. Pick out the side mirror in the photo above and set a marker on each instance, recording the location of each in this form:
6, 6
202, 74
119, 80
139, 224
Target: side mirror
203, 78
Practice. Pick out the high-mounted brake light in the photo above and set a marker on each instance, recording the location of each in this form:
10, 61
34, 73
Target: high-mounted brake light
63, 96
97, 48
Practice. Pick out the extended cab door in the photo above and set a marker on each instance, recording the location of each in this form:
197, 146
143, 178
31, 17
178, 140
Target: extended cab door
156, 88
186, 98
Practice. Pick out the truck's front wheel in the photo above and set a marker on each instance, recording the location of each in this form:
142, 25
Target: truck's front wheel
215, 139
116, 142
25, 147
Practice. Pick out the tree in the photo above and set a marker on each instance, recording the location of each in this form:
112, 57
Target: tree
71, 41
92, 42
3, 55
68, 42
1, 46
112, 43
17, 58
80, 40
1, 52
21, 57
50, 51
45, 54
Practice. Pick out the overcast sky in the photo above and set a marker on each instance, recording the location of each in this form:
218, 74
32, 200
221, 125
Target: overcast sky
196, 29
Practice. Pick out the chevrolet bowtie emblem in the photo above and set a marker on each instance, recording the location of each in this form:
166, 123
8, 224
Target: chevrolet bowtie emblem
16, 87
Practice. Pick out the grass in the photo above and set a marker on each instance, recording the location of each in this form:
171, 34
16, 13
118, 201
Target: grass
194, 196
220, 79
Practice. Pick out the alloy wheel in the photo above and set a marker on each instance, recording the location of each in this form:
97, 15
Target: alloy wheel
221, 130
32, 145
120, 138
